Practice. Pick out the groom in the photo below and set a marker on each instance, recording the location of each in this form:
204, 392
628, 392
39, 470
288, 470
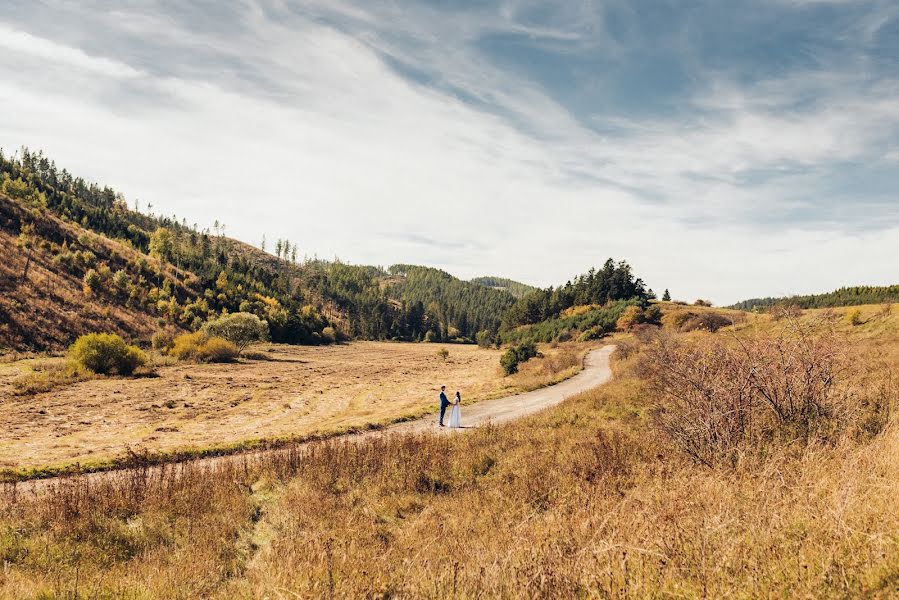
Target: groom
444, 402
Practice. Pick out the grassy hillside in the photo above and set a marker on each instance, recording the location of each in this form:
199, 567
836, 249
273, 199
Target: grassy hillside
141, 271
847, 296
519, 290
598, 497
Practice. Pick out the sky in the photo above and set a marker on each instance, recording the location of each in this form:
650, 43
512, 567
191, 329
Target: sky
726, 150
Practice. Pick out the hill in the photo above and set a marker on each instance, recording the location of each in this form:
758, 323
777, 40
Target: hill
846, 296
587, 307
83, 260
517, 289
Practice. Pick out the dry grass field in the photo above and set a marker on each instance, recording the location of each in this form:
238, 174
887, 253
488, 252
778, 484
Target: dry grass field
295, 392
590, 499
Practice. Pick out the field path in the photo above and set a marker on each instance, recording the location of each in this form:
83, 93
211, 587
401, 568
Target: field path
597, 371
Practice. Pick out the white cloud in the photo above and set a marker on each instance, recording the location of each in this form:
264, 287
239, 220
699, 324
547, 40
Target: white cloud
19, 42
339, 153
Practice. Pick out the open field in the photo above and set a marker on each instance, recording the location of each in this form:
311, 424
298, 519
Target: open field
587, 499
296, 392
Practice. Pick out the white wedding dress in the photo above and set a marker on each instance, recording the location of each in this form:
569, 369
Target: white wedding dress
456, 415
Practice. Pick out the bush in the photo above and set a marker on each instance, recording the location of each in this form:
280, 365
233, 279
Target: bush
707, 321
217, 350
854, 317
241, 329
443, 353
91, 282
329, 335
484, 339
718, 400
162, 341
106, 353
199, 347
517, 355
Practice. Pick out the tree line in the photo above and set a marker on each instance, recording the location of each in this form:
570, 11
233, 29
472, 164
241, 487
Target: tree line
846, 296
613, 282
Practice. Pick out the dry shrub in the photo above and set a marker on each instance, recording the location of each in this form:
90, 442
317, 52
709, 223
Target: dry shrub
704, 321
199, 347
719, 399
787, 311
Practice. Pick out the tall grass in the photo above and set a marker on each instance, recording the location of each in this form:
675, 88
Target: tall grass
585, 500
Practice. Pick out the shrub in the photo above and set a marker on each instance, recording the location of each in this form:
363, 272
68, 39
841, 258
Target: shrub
91, 281
329, 335
517, 355
701, 302
443, 353
121, 280
717, 400
106, 353
854, 317
707, 321
217, 350
484, 339
200, 347
241, 329
162, 341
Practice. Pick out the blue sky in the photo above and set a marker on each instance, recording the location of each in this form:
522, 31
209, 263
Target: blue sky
726, 149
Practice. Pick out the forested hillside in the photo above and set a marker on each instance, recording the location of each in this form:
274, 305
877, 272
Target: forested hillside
517, 289
588, 306
461, 307
847, 296
81, 252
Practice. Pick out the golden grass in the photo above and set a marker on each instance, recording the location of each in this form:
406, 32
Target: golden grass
582, 501
294, 393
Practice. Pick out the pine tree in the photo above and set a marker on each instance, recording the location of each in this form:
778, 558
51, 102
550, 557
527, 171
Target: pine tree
666, 297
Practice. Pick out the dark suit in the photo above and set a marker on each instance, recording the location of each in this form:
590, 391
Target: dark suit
444, 402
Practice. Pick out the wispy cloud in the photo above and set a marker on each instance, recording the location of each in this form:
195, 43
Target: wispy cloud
521, 138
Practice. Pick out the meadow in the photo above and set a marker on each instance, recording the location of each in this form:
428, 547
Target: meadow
594, 498
284, 393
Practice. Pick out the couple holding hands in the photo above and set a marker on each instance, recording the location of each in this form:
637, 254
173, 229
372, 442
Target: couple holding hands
455, 420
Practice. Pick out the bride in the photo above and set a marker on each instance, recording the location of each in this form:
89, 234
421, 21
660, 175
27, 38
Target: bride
456, 414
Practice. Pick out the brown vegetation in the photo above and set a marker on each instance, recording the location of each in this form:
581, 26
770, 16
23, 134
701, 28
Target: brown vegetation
585, 500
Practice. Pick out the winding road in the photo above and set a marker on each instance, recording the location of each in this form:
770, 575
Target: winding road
596, 371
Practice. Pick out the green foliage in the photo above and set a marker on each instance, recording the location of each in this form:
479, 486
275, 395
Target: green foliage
241, 329
161, 244
106, 353
519, 290
443, 353
614, 282
516, 355
854, 317
445, 303
92, 281
847, 296
601, 320
666, 297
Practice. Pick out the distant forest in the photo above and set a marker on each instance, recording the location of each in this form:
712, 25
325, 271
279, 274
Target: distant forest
187, 275
847, 296
517, 289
